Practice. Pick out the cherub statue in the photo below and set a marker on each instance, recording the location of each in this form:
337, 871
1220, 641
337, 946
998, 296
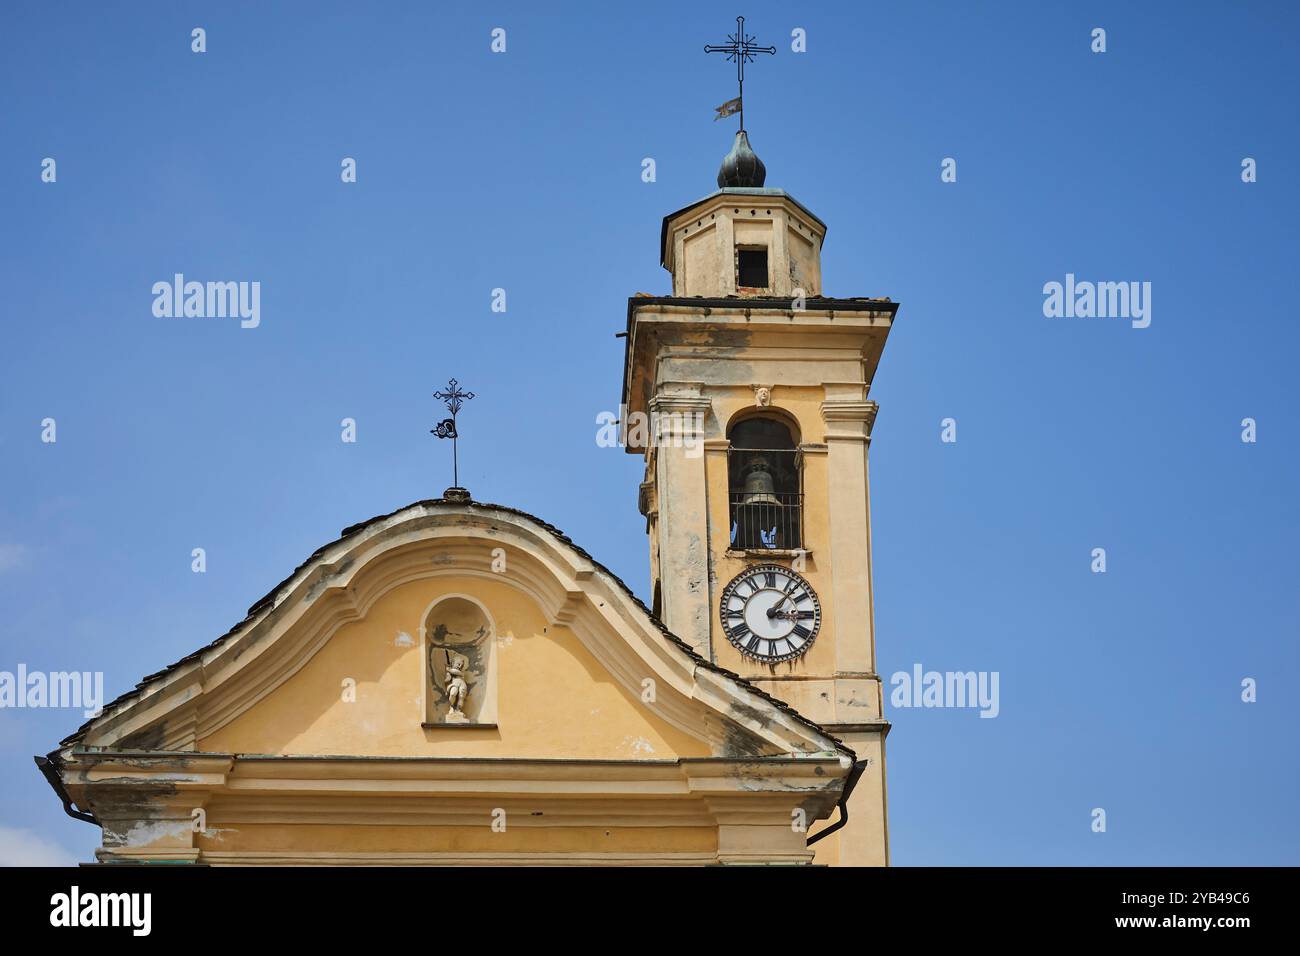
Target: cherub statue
457, 687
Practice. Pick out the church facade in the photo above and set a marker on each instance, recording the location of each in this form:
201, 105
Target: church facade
458, 683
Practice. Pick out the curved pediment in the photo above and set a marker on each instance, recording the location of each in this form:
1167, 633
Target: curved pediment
458, 629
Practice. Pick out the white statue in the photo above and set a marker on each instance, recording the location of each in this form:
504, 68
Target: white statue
457, 687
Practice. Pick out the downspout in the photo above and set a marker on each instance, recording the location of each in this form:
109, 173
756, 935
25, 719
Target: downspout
850, 782
49, 769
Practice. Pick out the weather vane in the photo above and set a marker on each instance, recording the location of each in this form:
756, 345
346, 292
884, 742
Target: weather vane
741, 49
454, 398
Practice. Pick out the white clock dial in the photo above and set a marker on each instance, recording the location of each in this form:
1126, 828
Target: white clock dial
770, 614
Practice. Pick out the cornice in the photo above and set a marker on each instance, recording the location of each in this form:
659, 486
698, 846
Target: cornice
850, 420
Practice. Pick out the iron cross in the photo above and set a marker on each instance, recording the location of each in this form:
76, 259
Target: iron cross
453, 398
741, 49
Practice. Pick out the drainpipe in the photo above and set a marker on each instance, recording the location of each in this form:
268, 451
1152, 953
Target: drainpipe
50, 771
850, 782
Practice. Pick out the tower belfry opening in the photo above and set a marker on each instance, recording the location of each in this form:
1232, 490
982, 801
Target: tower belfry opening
763, 486
751, 268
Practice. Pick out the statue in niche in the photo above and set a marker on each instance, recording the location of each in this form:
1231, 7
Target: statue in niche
457, 688
459, 647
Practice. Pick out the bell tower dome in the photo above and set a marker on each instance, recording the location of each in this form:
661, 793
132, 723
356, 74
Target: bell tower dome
756, 387
741, 167
743, 239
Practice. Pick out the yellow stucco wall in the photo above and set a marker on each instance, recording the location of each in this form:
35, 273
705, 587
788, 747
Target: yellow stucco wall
307, 838
803, 405
554, 698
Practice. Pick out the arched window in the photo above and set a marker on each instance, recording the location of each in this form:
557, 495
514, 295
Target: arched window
765, 492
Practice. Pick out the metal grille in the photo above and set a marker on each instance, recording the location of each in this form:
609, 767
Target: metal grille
759, 523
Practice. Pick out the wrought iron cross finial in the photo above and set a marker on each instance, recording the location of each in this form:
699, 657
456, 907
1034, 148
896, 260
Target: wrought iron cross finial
740, 48
453, 398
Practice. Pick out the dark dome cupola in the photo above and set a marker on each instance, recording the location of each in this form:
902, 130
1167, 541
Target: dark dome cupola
742, 167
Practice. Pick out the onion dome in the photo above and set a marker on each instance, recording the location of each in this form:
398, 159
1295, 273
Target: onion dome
741, 167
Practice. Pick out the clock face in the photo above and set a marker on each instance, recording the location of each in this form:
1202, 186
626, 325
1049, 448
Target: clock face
770, 613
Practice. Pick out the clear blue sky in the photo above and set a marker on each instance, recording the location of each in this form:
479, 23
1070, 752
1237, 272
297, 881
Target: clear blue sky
523, 171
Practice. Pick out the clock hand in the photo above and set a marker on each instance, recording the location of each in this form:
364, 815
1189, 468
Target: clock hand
772, 611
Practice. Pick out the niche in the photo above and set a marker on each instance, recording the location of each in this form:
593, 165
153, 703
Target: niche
460, 665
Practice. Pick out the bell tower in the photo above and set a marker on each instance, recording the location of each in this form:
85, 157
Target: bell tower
756, 389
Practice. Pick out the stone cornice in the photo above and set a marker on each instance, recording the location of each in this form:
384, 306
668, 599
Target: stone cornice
849, 420
674, 402
451, 791
851, 411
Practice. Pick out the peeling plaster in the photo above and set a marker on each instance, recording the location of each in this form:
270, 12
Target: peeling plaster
758, 779
147, 833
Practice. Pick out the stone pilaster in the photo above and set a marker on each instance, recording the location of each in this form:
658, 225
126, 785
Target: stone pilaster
849, 419
679, 411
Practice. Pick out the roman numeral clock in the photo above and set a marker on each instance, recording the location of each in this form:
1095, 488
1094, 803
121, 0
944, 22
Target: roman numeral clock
770, 613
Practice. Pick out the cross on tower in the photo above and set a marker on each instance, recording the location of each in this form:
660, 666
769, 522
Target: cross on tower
453, 398
741, 49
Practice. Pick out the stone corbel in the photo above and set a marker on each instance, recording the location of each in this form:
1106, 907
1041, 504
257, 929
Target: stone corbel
647, 501
566, 612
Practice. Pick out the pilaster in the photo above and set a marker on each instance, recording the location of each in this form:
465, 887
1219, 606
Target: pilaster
679, 412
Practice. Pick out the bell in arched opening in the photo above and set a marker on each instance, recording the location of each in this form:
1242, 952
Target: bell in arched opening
760, 486
763, 485
759, 511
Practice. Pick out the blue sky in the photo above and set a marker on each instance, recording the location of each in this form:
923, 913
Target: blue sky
523, 171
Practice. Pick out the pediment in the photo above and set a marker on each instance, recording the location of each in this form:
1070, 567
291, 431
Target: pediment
553, 654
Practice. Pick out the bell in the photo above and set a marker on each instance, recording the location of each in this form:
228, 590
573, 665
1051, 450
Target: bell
759, 486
